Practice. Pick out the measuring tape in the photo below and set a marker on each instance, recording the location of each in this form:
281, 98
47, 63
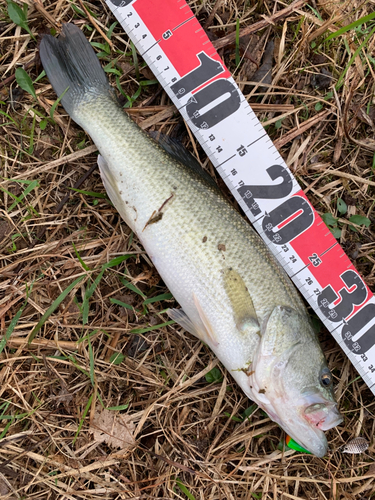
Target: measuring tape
174, 45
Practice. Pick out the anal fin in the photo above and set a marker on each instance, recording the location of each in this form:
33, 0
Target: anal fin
180, 317
210, 335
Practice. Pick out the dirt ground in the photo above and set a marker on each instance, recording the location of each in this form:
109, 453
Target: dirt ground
101, 395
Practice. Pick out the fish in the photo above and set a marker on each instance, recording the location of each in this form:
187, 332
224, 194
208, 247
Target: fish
233, 295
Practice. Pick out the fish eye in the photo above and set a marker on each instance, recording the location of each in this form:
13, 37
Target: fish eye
326, 377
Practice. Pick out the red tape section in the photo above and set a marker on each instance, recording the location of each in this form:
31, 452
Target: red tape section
177, 27
328, 256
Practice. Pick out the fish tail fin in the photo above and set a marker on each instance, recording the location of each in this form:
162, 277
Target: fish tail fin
73, 68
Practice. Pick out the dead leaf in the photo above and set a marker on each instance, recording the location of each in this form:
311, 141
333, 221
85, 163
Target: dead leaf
114, 429
264, 73
136, 345
364, 117
322, 80
367, 143
147, 73
126, 67
4, 490
5, 229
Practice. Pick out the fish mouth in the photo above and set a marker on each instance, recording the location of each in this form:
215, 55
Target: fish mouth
323, 416
314, 441
307, 424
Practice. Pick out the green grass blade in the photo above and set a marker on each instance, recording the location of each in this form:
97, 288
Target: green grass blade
150, 328
238, 59
6, 428
116, 261
55, 304
350, 26
83, 418
163, 296
92, 363
118, 408
11, 327
135, 60
120, 303
89, 193
340, 82
85, 267
184, 489
8, 117
42, 75
132, 287
89, 292
30, 187
56, 103
10, 194
111, 28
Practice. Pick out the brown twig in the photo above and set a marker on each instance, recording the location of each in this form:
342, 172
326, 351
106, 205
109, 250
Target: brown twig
95, 24
249, 30
292, 134
212, 14
39, 6
10, 78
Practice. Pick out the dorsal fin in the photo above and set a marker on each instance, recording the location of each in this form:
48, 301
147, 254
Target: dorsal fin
174, 148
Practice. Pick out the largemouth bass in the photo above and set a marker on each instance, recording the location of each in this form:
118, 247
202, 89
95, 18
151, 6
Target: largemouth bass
233, 294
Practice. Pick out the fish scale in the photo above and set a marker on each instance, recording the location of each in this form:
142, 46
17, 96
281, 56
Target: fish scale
234, 295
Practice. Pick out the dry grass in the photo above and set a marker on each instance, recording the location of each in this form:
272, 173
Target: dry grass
182, 436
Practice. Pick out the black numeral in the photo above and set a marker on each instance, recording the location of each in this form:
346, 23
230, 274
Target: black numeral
207, 69
242, 150
272, 191
358, 322
208, 95
167, 34
348, 299
122, 3
295, 206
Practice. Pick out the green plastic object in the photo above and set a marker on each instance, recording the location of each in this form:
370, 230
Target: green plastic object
295, 446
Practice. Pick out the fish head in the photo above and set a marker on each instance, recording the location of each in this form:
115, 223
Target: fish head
291, 380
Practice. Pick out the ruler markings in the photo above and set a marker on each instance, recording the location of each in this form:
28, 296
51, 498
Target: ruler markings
276, 205
181, 24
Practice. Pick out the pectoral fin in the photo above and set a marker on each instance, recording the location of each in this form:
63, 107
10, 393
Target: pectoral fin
243, 308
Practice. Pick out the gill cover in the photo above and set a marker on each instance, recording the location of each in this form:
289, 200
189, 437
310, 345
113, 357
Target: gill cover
279, 339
